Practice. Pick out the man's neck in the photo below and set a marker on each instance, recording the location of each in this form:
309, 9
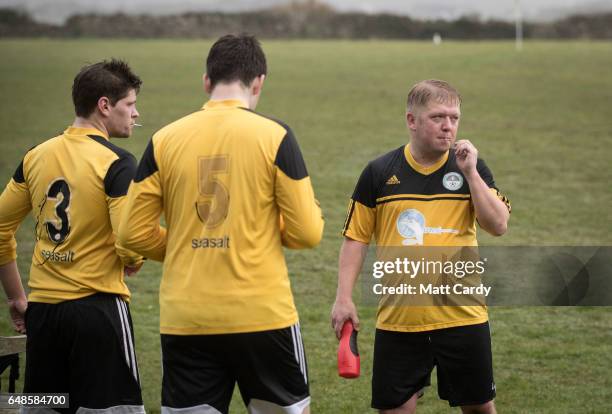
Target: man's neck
232, 91
424, 158
81, 122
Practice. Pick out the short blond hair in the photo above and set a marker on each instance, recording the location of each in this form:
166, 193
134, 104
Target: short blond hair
429, 90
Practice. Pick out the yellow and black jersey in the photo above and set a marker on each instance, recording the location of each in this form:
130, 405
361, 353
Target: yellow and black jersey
75, 185
233, 188
402, 203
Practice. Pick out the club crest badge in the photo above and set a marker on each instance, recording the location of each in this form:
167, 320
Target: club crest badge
452, 181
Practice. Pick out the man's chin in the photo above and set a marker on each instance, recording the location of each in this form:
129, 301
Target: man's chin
124, 134
443, 146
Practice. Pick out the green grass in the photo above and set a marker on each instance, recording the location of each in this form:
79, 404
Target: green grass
541, 119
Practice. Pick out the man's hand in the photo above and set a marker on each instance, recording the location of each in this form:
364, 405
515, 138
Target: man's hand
15, 295
466, 155
132, 270
342, 311
352, 254
17, 308
492, 213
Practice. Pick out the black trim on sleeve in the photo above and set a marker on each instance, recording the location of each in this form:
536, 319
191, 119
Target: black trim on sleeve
106, 143
485, 173
364, 190
119, 176
121, 171
148, 165
289, 158
18, 176
349, 216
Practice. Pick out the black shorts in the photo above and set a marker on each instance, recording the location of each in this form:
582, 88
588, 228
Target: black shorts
403, 362
85, 348
199, 371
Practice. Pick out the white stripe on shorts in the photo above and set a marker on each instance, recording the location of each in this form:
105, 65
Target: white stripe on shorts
295, 349
131, 342
298, 349
127, 354
302, 356
130, 357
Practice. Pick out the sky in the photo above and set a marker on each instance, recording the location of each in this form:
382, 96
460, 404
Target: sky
56, 11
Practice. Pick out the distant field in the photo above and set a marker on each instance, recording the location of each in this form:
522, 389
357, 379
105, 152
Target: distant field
540, 118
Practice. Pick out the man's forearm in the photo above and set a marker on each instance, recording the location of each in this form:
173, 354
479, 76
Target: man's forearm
301, 217
115, 206
491, 213
352, 255
11, 281
149, 241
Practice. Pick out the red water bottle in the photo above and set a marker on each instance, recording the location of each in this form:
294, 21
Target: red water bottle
348, 354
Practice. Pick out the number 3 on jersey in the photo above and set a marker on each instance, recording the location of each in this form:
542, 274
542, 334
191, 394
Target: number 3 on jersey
213, 204
58, 227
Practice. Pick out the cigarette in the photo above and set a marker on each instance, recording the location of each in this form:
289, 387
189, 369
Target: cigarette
137, 125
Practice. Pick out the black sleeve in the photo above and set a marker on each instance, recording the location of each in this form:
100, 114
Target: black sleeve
120, 175
148, 165
18, 176
289, 157
364, 190
485, 173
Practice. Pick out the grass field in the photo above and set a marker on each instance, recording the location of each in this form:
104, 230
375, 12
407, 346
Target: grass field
540, 118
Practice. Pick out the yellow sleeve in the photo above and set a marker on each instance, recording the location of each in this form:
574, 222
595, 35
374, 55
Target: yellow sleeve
300, 211
116, 183
139, 228
301, 215
360, 222
115, 206
14, 206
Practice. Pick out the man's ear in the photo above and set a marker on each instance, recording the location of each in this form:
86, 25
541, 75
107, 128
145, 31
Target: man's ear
207, 84
257, 84
411, 121
104, 106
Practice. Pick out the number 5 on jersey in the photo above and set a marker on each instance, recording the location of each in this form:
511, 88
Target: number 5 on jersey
213, 203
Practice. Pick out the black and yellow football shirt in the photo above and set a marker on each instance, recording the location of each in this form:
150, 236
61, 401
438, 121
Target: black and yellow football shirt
401, 203
75, 185
233, 188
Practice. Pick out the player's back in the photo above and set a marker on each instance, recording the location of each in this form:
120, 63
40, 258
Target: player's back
72, 180
218, 170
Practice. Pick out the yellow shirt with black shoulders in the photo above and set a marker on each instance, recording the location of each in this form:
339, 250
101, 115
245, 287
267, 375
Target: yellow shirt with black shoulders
437, 198
233, 188
75, 186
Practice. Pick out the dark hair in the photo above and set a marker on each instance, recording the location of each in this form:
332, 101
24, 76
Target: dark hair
113, 79
235, 57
